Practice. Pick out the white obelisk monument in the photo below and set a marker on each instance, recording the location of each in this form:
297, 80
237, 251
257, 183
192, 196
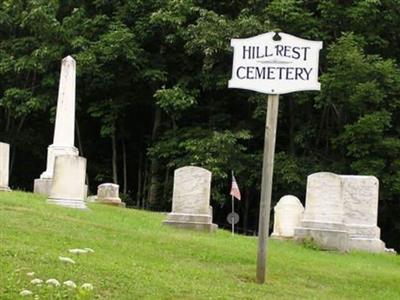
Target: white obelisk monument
64, 131
4, 166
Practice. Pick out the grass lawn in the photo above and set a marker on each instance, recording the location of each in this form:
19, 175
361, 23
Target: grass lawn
136, 257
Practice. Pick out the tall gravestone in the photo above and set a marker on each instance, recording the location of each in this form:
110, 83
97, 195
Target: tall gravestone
4, 166
68, 184
288, 214
361, 196
64, 131
191, 199
342, 212
324, 212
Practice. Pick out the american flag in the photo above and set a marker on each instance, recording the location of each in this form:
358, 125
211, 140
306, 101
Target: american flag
235, 192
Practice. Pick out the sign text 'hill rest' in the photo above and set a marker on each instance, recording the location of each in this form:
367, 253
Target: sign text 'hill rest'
271, 66
269, 54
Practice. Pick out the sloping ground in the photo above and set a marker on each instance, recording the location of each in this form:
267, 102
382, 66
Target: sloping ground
137, 258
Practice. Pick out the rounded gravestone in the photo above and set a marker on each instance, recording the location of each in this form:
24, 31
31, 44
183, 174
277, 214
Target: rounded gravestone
288, 214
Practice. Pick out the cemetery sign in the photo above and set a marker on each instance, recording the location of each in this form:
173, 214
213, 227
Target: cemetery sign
265, 64
273, 63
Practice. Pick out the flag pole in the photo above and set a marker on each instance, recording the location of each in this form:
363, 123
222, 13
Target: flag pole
233, 216
233, 211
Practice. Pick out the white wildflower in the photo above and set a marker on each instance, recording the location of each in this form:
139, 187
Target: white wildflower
88, 250
36, 281
70, 283
77, 251
87, 286
53, 282
66, 259
25, 292
30, 274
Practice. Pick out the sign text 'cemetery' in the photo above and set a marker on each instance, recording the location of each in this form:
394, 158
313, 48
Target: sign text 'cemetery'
271, 66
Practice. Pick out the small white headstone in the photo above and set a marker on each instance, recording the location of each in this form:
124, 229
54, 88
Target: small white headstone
191, 199
108, 193
4, 166
68, 184
288, 214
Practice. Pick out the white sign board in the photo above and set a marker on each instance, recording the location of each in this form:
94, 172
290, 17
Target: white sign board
270, 66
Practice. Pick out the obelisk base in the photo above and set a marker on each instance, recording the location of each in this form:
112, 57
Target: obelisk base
42, 185
68, 184
73, 203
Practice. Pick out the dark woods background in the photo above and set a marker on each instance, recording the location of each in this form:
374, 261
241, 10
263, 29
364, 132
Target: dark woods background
152, 96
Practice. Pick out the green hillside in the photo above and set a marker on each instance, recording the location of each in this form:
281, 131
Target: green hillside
137, 258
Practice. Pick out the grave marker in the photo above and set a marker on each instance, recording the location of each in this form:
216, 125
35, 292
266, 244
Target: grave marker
108, 193
191, 199
288, 214
64, 129
4, 166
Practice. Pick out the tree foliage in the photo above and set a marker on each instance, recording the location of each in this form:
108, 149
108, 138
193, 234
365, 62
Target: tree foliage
152, 95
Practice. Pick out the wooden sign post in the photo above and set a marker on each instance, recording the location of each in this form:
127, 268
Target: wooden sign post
266, 184
273, 64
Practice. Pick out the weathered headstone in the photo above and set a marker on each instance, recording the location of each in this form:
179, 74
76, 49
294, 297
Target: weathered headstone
361, 196
288, 214
341, 212
324, 212
64, 131
4, 166
68, 184
191, 199
108, 193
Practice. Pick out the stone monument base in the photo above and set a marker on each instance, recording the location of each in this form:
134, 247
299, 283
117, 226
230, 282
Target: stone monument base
191, 221
73, 203
327, 239
111, 202
339, 240
336, 236
42, 186
366, 244
275, 236
5, 189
